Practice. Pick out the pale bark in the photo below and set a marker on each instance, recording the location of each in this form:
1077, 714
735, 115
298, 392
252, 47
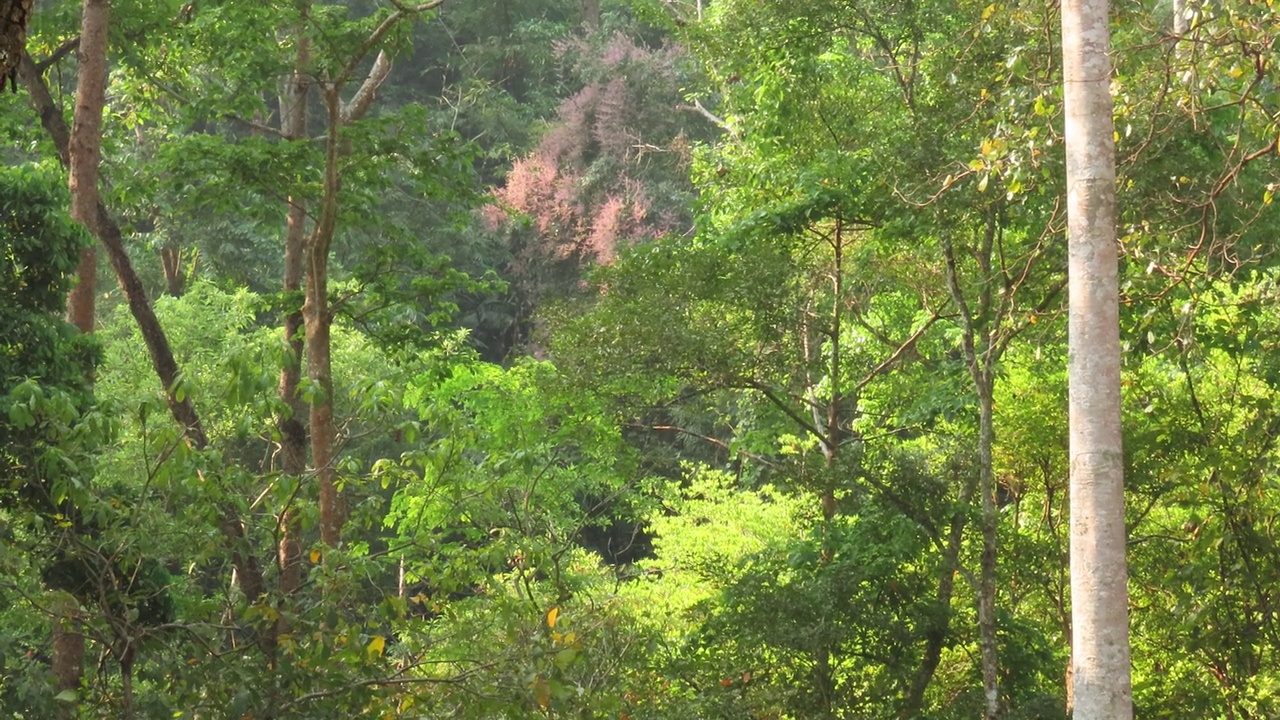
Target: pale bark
831, 442
1181, 24
1099, 592
988, 643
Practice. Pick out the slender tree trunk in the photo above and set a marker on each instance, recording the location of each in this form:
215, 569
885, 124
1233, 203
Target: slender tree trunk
84, 156
68, 648
825, 678
317, 316
294, 97
319, 320
1180, 22
1099, 592
86, 152
987, 637
981, 353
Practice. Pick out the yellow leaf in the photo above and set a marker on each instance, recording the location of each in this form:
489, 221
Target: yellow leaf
376, 645
552, 615
315, 556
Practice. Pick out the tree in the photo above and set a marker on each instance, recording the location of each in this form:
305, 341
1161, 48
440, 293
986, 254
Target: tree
1099, 579
42, 358
15, 15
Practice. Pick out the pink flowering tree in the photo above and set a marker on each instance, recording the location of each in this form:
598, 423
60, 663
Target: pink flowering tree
611, 168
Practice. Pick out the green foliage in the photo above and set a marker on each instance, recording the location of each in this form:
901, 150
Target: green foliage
45, 363
739, 478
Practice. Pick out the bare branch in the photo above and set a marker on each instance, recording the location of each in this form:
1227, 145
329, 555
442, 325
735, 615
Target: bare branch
363, 98
712, 117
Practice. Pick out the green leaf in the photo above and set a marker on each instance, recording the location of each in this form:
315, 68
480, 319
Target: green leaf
67, 696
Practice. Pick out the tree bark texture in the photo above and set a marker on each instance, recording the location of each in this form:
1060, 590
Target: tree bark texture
319, 320
15, 16
68, 647
81, 307
1099, 591
85, 154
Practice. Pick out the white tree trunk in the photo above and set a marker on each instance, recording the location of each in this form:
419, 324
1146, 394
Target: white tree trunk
1181, 24
1099, 592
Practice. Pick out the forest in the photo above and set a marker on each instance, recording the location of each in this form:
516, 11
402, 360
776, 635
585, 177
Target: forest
639, 359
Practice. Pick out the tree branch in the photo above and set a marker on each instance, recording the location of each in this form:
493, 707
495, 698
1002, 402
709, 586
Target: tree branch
375, 37
712, 117
363, 98
67, 47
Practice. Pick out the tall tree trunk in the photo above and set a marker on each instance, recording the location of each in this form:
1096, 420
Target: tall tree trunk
86, 152
68, 647
831, 444
81, 308
987, 636
1099, 590
294, 96
317, 316
982, 350
84, 156
319, 320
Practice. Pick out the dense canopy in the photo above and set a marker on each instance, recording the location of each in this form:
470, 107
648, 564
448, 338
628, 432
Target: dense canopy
637, 359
